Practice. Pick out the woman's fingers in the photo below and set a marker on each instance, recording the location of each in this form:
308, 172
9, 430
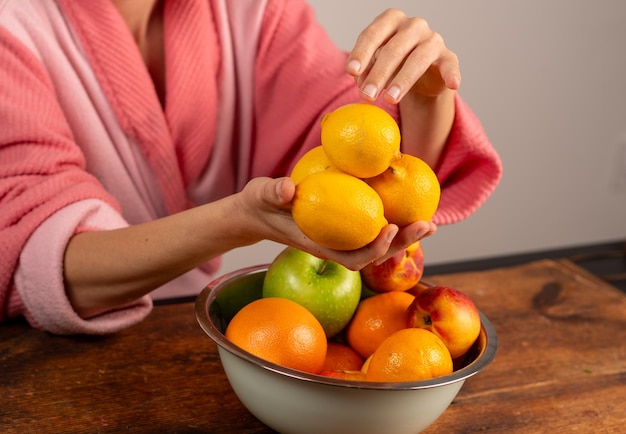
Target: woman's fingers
372, 38
269, 202
396, 54
390, 241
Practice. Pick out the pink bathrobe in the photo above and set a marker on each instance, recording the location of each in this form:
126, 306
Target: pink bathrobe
86, 145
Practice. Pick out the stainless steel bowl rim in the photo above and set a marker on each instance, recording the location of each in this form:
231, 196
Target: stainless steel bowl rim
208, 295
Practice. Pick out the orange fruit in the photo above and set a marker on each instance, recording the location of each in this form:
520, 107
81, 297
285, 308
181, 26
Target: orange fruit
340, 357
376, 318
345, 375
337, 210
280, 331
409, 355
409, 189
366, 364
313, 161
360, 139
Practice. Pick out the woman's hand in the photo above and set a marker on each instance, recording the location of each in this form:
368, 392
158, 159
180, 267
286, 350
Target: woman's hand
408, 63
398, 55
270, 200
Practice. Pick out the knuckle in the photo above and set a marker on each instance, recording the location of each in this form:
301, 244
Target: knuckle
393, 13
418, 24
372, 33
437, 39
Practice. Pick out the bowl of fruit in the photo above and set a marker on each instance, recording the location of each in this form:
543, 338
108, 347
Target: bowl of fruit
309, 346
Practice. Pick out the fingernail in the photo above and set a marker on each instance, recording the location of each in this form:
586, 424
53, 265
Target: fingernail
354, 66
394, 92
370, 90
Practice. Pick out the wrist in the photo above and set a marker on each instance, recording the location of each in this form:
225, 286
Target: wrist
425, 123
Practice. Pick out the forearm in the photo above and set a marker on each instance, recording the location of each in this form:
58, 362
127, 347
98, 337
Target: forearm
425, 125
106, 269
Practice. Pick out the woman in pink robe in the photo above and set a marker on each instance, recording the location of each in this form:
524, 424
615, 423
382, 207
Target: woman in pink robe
142, 139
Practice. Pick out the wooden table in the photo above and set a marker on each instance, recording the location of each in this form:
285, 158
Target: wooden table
561, 366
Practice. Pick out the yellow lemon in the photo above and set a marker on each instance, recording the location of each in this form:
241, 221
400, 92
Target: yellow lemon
337, 210
409, 189
360, 139
314, 160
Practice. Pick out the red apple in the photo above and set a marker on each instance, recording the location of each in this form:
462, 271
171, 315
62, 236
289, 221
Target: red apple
398, 273
448, 313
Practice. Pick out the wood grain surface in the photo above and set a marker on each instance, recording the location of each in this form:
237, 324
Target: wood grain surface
560, 367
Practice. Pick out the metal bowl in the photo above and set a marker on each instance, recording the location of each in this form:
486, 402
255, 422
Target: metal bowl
291, 401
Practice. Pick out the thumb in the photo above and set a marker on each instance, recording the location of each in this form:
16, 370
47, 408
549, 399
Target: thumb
283, 191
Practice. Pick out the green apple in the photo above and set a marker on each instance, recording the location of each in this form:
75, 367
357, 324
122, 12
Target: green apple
330, 291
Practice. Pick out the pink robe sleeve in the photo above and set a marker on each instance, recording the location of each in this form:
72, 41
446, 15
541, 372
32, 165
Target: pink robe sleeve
48, 307
45, 194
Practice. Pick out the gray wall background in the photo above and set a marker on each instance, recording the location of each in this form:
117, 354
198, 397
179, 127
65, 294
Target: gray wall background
548, 81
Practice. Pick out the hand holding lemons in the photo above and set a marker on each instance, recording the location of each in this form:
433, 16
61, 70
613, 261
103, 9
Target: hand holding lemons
355, 183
